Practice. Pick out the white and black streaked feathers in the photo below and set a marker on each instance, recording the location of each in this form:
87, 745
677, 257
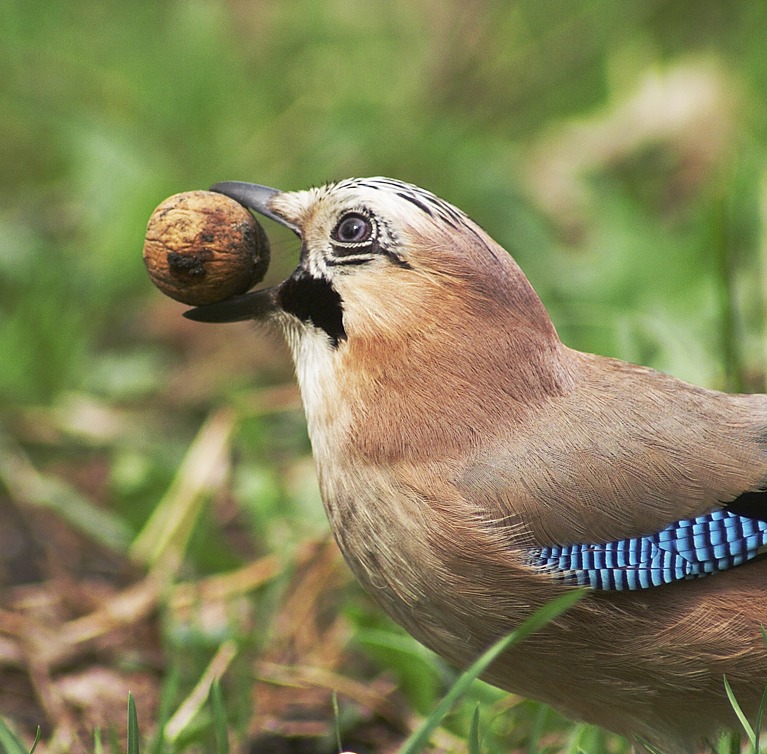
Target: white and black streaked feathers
428, 203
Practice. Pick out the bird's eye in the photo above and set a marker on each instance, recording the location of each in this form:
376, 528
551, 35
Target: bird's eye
354, 228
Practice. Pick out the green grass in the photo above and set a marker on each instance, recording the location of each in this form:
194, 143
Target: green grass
645, 243
583, 739
213, 701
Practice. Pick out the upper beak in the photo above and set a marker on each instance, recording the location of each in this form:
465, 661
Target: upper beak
255, 197
256, 304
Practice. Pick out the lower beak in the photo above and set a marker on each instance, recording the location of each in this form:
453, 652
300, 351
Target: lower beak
256, 304
253, 305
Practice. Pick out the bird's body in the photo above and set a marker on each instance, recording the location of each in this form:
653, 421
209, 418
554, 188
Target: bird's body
456, 438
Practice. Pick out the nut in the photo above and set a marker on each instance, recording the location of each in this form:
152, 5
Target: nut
202, 247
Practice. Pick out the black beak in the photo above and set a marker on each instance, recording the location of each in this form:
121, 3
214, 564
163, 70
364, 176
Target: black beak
253, 305
256, 304
255, 197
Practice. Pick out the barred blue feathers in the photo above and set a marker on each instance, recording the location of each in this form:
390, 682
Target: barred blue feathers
687, 549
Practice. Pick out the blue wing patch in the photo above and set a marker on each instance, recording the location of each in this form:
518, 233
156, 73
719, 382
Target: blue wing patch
687, 549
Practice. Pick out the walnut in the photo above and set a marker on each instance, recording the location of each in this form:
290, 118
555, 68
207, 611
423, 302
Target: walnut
202, 247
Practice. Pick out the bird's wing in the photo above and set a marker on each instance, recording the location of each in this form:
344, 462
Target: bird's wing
686, 549
634, 469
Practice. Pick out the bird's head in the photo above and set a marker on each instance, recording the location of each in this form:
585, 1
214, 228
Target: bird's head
383, 260
399, 296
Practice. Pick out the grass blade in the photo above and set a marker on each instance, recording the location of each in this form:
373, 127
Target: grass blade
38, 734
133, 734
167, 531
739, 712
168, 695
419, 738
199, 695
26, 483
337, 720
760, 715
474, 733
8, 741
220, 727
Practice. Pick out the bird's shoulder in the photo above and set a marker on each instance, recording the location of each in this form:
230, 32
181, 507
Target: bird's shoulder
628, 451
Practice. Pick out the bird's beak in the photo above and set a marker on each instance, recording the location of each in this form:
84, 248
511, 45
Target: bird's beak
253, 305
255, 197
256, 304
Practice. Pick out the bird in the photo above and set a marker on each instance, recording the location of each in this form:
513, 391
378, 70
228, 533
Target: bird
473, 468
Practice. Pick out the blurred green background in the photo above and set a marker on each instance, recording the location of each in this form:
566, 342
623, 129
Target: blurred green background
639, 124
617, 149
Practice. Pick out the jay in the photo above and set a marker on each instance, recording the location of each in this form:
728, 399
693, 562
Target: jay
473, 467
